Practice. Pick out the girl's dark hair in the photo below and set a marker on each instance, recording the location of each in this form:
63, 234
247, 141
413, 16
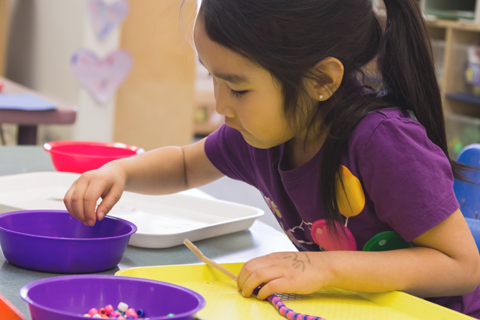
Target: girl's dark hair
288, 38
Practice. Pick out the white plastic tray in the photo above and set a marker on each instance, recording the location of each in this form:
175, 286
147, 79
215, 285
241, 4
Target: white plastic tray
162, 221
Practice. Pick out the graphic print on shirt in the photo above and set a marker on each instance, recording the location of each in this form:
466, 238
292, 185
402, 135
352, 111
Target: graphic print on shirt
289, 232
351, 201
385, 241
293, 239
272, 206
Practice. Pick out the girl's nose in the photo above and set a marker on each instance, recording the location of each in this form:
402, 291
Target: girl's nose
223, 109
222, 103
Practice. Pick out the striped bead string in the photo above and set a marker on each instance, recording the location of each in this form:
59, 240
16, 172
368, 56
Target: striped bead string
289, 313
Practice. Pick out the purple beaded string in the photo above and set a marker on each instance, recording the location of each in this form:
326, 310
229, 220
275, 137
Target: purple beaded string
289, 313
284, 311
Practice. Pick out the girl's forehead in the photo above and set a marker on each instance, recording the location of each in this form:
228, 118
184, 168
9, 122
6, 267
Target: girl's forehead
213, 54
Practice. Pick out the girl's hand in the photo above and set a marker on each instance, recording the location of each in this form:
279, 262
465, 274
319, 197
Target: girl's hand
107, 183
286, 272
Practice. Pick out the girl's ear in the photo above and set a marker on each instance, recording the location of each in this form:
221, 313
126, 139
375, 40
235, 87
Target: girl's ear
329, 73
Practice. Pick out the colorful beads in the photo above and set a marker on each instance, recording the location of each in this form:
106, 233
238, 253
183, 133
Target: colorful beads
109, 309
122, 312
140, 313
131, 313
289, 313
92, 312
256, 290
115, 314
122, 307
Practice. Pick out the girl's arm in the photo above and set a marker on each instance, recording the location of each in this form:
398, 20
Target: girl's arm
444, 262
161, 171
169, 170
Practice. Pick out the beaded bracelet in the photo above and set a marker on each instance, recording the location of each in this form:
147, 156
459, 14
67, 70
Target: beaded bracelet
289, 313
274, 300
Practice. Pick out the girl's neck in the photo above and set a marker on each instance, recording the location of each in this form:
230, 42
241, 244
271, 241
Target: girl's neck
299, 152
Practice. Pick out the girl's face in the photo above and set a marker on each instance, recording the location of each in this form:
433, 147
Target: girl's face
247, 95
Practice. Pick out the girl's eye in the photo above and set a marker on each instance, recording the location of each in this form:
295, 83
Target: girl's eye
238, 93
233, 92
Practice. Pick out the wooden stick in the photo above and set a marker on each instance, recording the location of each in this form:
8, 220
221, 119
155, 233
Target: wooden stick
274, 300
209, 262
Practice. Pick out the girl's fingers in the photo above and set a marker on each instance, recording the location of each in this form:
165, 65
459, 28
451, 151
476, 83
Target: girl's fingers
92, 194
67, 198
257, 278
244, 273
270, 288
248, 269
76, 200
109, 200
82, 197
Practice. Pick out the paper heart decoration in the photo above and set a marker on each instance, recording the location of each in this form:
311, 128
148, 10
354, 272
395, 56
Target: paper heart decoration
106, 17
101, 77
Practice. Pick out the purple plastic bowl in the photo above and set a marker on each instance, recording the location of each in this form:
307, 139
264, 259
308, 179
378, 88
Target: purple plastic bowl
70, 297
54, 241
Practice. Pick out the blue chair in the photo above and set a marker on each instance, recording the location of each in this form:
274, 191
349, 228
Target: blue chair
468, 194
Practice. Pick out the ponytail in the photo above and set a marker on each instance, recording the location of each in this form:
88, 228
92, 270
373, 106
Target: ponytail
408, 72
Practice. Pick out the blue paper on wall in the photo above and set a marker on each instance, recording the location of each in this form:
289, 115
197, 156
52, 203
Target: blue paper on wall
25, 101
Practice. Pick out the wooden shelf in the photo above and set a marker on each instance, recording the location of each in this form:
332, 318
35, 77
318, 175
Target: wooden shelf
453, 25
461, 96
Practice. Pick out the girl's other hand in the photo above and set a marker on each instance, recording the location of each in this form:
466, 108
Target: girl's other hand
107, 183
286, 272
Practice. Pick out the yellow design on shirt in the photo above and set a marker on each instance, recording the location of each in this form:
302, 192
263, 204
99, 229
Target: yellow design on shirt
351, 201
277, 212
272, 206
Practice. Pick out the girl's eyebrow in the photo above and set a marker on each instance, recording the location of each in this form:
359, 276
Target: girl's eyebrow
230, 77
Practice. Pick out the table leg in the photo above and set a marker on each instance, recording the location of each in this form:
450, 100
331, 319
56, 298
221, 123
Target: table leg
2, 137
27, 135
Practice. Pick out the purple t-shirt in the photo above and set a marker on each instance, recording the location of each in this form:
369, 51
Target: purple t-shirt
398, 184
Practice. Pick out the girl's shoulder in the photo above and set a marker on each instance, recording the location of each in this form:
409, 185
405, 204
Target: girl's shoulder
387, 119
391, 114
389, 128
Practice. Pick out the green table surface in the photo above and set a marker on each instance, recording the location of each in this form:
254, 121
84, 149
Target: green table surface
237, 247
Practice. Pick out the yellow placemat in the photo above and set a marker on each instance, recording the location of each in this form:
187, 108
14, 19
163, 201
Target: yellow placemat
224, 302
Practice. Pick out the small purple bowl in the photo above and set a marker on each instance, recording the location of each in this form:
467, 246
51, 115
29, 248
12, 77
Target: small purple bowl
54, 241
70, 297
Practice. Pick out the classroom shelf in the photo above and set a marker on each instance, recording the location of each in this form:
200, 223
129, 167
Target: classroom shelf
464, 97
470, 26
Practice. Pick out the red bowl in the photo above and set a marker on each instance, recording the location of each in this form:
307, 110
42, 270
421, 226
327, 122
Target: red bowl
82, 156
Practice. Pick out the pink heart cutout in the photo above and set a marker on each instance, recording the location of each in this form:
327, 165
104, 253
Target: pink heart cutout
101, 77
105, 17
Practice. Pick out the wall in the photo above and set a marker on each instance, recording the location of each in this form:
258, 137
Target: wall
43, 36
155, 104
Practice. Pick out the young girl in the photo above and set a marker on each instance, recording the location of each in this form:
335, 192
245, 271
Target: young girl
347, 171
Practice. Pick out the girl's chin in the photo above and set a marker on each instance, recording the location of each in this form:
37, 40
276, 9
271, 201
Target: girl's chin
254, 142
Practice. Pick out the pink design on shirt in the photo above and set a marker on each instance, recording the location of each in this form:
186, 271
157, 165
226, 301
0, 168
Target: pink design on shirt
332, 242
